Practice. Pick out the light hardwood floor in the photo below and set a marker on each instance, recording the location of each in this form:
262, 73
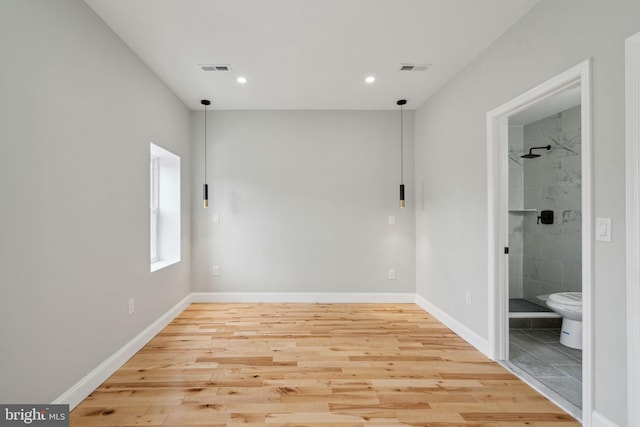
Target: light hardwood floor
349, 365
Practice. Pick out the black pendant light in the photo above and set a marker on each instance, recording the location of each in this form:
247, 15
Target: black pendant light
205, 187
401, 102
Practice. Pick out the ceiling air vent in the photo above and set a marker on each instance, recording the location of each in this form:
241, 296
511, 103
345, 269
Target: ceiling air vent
414, 67
221, 67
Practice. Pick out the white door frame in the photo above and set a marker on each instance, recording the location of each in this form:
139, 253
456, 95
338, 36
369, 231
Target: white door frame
498, 238
632, 90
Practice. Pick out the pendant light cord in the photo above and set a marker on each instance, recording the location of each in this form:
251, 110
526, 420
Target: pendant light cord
205, 144
401, 147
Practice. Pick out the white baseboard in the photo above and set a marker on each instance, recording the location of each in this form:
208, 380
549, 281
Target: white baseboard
304, 297
480, 343
599, 420
83, 388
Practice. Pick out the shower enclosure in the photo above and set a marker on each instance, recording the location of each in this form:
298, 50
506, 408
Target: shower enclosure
544, 175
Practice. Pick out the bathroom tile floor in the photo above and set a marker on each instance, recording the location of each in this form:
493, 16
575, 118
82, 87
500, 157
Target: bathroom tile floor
553, 367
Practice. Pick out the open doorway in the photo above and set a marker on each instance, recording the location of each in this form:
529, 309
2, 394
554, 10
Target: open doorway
540, 238
545, 249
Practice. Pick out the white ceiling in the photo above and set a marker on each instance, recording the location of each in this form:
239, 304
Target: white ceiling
308, 54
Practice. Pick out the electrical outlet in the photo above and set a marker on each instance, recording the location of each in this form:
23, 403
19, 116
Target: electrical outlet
392, 274
131, 305
216, 218
392, 219
215, 270
468, 297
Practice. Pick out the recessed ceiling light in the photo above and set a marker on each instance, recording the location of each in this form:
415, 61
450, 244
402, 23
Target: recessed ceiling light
370, 79
241, 80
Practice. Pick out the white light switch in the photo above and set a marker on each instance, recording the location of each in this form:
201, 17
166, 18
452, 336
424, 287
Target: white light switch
392, 219
603, 229
392, 274
216, 218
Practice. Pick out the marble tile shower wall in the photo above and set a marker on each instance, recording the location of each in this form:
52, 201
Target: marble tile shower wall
516, 204
551, 259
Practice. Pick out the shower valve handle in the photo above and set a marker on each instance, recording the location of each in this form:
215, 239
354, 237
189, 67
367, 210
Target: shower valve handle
546, 217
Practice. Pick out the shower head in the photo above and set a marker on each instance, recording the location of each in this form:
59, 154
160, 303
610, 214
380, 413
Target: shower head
533, 156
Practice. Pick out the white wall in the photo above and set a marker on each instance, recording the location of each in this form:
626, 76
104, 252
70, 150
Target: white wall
304, 199
78, 110
451, 217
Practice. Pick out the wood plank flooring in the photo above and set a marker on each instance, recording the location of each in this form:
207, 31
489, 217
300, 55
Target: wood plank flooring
348, 365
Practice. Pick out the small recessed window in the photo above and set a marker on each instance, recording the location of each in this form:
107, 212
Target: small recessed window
155, 187
164, 212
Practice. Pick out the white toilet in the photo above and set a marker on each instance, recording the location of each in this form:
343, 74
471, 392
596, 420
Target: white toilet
569, 306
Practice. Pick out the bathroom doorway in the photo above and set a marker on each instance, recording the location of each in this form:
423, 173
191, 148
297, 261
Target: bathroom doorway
545, 258
539, 236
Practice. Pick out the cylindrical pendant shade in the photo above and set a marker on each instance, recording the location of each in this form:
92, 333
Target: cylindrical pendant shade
402, 195
205, 195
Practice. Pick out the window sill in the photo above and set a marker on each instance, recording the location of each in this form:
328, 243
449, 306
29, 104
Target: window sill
158, 265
